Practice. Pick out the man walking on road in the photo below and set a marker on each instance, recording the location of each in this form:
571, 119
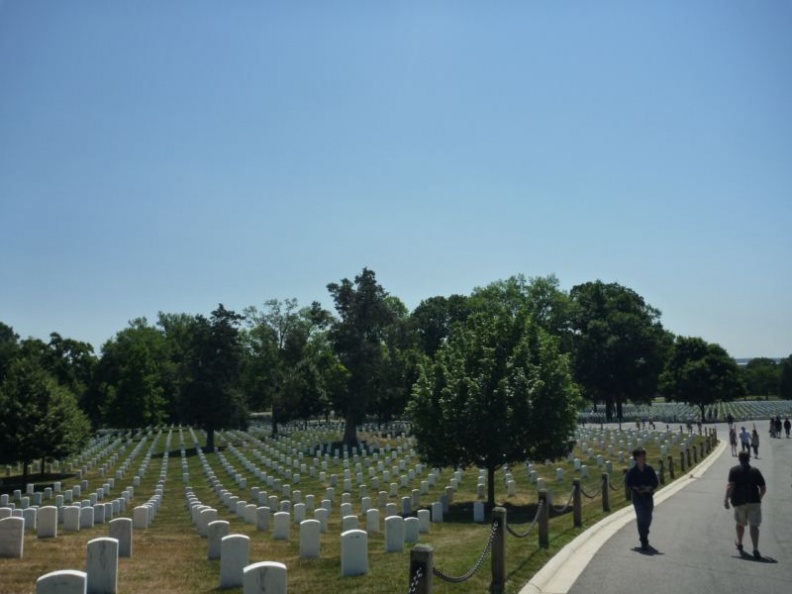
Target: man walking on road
745, 440
746, 489
642, 481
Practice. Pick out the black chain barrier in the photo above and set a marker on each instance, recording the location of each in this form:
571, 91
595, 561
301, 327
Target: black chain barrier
614, 487
475, 568
416, 580
531, 527
588, 495
563, 508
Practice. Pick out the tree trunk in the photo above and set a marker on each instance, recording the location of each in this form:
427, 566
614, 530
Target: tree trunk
350, 431
210, 441
25, 464
41, 467
274, 423
609, 410
490, 487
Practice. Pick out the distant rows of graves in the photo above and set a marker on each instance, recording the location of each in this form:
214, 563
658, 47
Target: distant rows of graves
678, 412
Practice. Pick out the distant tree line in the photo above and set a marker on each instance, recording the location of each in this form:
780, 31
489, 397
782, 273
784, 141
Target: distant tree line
517, 357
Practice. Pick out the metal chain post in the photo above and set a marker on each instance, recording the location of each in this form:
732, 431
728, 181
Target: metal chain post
421, 557
577, 505
544, 520
498, 559
605, 492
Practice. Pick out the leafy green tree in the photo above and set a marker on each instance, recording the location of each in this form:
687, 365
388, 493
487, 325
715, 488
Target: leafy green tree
619, 345
178, 331
364, 313
9, 348
71, 362
39, 418
700, 374
499, 391
550, 307
785, 379
762, 377
132, 377
432, 320
281, 371
399, 370
212, 396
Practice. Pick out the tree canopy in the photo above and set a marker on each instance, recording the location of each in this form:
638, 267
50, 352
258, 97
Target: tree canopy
212, 398
700, 374
499, 391
283, 370
762, 377
785, 378
39, 418
619, 345
132, 377
364, 312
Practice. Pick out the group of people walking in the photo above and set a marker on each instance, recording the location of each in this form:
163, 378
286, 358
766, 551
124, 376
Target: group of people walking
745, 490
776, 425
749, 440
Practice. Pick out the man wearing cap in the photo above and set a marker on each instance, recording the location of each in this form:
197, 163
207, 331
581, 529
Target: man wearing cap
642, 481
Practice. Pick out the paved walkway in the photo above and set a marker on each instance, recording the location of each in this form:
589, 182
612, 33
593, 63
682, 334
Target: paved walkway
692, 537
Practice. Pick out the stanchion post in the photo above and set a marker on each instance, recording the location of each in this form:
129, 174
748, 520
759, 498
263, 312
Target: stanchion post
421, 559
671, 468
605, 492
627, 491
661, 467
681, 461
544, 520
577, 505
499, 551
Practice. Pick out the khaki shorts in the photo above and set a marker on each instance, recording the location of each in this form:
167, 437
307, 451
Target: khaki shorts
748, 513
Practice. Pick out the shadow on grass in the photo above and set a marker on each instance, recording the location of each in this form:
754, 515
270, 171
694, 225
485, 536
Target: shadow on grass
189, 453
462, 513
9, 484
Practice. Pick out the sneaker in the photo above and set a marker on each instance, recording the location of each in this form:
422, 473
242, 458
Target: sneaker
644, 545
757, 555
739, 547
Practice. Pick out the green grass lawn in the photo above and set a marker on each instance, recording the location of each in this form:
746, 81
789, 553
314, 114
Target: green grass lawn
171, 556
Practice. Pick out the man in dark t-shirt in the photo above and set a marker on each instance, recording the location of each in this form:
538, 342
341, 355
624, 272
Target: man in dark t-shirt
745, 490
641, 479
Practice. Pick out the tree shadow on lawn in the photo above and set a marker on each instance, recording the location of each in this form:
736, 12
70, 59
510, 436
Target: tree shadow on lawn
189, 453
462, 513
9, 484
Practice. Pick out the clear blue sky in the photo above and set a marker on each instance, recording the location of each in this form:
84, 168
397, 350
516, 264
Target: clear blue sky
172, 155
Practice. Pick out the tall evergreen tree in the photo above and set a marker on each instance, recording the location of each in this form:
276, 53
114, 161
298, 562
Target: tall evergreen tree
358, 338
212, 398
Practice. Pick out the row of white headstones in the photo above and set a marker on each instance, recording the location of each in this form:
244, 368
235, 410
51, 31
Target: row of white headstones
398, 529
102, 553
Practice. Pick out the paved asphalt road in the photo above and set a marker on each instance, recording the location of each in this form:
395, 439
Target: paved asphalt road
693, 537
